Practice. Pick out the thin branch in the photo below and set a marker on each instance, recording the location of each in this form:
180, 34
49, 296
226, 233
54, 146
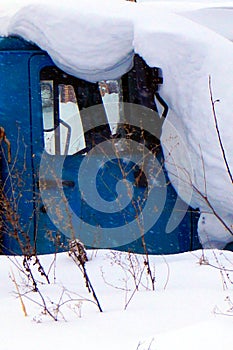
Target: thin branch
212, 208
168, 272
204, 197
19, 294
203, 167
81, 265
218, 132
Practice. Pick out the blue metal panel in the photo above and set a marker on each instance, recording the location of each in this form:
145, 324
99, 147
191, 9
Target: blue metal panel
47, 237
17, 177
182, 238
16, 44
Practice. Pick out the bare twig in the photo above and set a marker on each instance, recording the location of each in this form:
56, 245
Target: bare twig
36, 289
203, 167
80, 258
19, 294
203, 196
217, 129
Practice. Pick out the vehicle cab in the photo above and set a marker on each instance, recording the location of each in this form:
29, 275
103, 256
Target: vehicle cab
56, 127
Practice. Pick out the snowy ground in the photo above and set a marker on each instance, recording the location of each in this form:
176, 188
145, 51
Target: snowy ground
191, 307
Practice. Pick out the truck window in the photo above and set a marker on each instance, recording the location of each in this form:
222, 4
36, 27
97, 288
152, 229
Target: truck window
62, 125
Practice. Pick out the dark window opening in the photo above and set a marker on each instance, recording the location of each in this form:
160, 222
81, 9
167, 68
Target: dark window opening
64, 96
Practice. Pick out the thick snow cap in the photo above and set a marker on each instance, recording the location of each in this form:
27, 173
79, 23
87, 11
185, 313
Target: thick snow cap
90, 40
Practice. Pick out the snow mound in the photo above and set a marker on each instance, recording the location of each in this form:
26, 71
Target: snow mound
196, 62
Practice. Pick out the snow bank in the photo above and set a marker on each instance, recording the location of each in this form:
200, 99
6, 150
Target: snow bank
211, 14
189, 55
190, 42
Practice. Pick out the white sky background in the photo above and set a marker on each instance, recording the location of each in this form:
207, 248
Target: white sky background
169, 35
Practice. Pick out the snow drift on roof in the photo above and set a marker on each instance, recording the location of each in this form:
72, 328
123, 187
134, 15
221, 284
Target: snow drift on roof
92, 41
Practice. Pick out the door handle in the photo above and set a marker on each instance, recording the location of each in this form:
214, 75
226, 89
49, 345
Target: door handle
45, 184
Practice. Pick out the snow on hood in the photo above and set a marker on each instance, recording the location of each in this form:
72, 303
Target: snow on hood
190, 43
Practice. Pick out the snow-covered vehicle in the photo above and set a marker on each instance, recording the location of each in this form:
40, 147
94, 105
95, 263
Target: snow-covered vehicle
44, 113
83, 95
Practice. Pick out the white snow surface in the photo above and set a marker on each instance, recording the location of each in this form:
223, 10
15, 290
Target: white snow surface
191, 43
191, 307
83, 38
195, 62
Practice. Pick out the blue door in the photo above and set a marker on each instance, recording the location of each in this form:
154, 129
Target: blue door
87, 187
17, 186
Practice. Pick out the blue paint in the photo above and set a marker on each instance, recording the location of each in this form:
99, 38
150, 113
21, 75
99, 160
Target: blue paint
21, 117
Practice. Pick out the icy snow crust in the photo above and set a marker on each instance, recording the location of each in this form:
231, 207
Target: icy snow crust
191, 43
